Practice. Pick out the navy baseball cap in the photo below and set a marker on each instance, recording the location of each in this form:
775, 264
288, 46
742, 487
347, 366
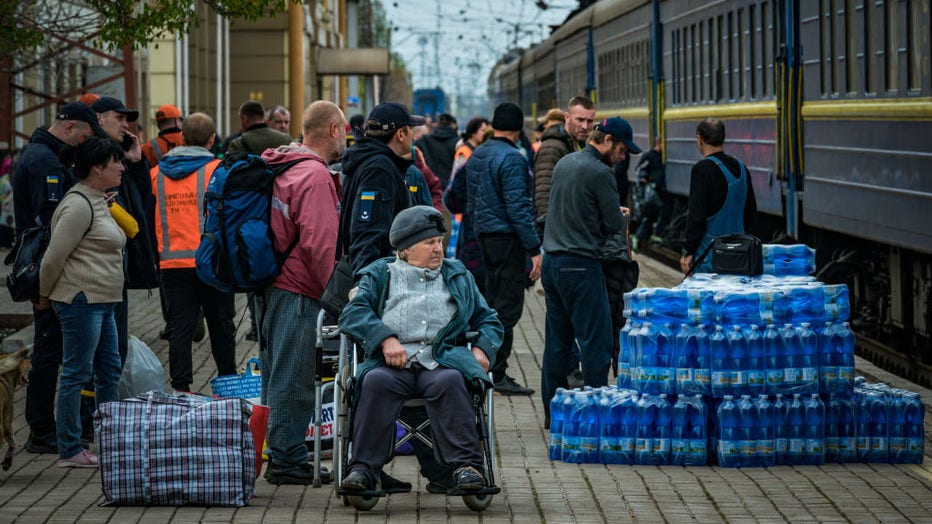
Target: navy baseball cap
81, 112
619, 128
391, 115
108, 103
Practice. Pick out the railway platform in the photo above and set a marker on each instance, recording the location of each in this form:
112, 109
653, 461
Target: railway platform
534, 489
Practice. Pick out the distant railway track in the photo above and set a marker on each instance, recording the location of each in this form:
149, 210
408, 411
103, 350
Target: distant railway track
879, 354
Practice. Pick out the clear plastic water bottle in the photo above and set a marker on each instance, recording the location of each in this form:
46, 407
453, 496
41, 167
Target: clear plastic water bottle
781, 431
756, 361
698, 415
610, 428
629, 426
808, 360
662, 431
666, 372
690, 438
685, 354
915, 434
774, 352
747, 432
765, 427
880, 435
796, 441
843, 343
633, 347
863, 426
720, 372
814, 411
702, 374
828, 364
646, 417
556, 424
729, 446
896, 429
647, 368
847, 433
737, 360
590, 429
572, 415
792, 350
836, 303
624, 357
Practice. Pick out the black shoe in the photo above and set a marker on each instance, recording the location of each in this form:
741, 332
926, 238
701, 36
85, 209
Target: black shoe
467, 478
392, 485
508, 386
575, 380
298, 474
200, 330
42, 446
439, 487
252, 335
358, 480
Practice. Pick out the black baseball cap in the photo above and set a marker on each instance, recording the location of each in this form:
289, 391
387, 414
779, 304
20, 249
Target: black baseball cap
81, 112
391, 115
108, 103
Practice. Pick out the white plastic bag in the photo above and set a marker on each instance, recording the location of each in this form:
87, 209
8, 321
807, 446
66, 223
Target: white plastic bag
142, 371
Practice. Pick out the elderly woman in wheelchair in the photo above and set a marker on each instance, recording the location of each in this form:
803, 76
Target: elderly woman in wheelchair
410, 316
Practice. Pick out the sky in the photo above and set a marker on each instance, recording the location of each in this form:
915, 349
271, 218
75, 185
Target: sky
455, 43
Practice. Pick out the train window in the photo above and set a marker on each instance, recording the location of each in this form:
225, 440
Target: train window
914, 44
851, 51
870, 50
719, 58
740, 41
765, 52
752, 51
890, 46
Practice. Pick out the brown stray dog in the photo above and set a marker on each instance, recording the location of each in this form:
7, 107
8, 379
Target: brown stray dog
13, 368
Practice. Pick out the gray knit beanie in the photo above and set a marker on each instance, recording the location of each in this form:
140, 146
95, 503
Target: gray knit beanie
415, 224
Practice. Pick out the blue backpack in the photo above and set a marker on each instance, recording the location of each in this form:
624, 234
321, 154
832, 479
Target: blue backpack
236, 253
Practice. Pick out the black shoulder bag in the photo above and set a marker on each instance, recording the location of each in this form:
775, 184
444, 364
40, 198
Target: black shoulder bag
336, 293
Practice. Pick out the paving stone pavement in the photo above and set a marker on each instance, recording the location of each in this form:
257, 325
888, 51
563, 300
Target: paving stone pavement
535, 489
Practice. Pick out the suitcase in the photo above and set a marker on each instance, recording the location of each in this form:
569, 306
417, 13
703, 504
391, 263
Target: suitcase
160, 450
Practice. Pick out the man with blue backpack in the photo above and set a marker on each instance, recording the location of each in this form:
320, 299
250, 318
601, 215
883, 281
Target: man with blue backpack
179, 183
304, 221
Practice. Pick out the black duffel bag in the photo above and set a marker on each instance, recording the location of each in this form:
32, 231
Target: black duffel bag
26, 257
737, 254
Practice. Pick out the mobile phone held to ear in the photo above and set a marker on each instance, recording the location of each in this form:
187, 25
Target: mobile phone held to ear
127, 141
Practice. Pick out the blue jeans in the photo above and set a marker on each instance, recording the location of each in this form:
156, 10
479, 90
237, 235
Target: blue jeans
89, 349
287, 362
577, 310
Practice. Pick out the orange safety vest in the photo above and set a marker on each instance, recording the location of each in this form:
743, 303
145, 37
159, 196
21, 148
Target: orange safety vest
179, 216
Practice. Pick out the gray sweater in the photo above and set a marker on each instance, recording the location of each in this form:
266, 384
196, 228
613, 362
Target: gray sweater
583, 208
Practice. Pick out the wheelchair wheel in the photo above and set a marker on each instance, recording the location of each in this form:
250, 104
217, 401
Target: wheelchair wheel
363, 502
477, 502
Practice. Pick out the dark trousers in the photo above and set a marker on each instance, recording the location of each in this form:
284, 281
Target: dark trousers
448, 404
43, 380
504, 258
660, 215
187, 295
577, 309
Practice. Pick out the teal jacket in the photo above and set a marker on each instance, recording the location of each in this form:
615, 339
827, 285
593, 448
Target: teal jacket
362, 320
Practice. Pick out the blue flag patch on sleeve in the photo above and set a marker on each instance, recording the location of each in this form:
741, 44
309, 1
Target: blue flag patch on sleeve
366, 199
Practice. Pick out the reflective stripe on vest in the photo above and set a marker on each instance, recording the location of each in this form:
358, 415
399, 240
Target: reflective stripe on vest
156, 150
179, 258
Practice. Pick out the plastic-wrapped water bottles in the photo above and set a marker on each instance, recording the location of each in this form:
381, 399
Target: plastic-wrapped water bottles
828, 363
764, 432
624, 357
915, 435
590, 428
689, 433
781, 431
755, 361
635, 353
747, 432
736, 362
808, 360
666, 305
556, 424
896, 442
572, 416
872, 426
720, 373
691, 355
663, 430
666, 372
796, 441
729, 444
791, 354
795, 259
610, 451
774, 351
744, 307
652, 446
815, 426
843, 345
629, 426
836, 303
840, 437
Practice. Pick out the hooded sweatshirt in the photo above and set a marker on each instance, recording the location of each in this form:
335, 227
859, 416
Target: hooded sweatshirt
375, 192
306, 204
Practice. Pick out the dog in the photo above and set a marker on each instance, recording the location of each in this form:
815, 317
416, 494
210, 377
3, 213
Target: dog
13, 368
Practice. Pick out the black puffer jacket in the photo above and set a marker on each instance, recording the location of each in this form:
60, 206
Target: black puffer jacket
439, 148
46, 158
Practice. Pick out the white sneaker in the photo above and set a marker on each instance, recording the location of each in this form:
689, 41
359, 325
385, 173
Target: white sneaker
84, 459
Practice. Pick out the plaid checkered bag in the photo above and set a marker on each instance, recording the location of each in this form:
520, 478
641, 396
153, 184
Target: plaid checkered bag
159, 450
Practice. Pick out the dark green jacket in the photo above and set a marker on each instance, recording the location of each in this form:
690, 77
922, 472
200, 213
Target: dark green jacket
258, 138
362, 320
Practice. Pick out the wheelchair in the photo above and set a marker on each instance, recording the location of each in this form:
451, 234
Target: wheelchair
343, 397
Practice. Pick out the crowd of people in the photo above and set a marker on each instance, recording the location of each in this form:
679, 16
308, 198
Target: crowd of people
384, 190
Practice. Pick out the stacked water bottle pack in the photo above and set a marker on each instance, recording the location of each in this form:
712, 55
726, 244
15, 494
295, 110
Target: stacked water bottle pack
622, 426
753, 371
